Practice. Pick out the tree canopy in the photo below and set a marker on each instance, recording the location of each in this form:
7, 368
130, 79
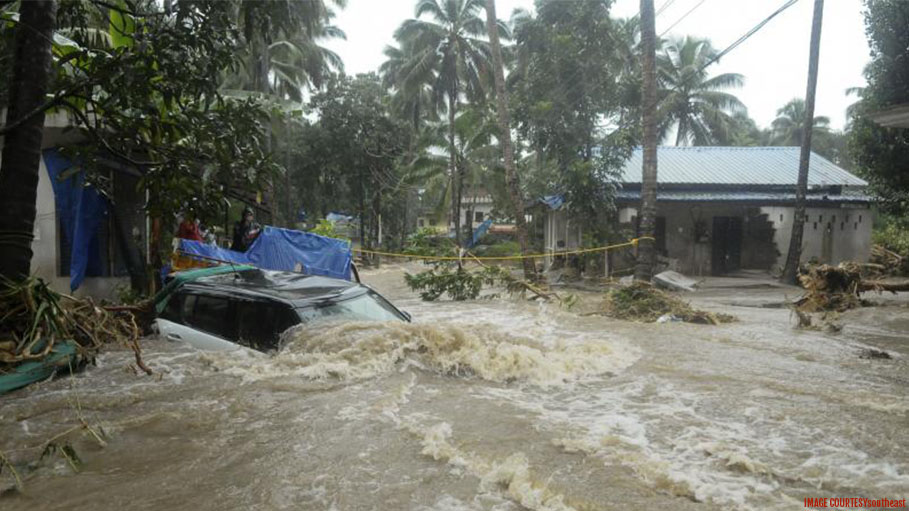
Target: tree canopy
880, 153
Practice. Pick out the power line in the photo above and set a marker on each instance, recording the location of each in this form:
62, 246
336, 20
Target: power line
748, 34
663, 7
682, 18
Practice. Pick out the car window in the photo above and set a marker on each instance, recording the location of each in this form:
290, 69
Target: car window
209, 314
260, 324
366, 307
173, 310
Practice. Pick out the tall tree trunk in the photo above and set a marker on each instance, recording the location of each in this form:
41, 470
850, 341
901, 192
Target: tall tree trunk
453, 166
504, 120
28, 86
644, 268
790, 272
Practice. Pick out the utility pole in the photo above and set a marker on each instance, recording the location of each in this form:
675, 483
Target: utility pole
791, 271
504, 120
643, 270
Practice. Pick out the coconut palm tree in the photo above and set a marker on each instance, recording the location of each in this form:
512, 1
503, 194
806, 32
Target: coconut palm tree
28, 86
789, 126
282, 55
413, 98
691, 101
447, 52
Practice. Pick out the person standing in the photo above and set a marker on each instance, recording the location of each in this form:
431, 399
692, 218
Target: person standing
245, 231
189, 228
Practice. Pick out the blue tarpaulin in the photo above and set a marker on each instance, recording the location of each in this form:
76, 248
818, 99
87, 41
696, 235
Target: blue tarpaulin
81, 209
213, 252
553, 201
480, 232
284, 249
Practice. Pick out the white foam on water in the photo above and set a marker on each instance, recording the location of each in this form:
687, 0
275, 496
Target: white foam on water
662, 434
512, 475
357, 351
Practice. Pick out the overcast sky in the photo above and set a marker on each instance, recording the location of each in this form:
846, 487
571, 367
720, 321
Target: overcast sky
774, 61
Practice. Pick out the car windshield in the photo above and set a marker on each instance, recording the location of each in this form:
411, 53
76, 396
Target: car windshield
365, 307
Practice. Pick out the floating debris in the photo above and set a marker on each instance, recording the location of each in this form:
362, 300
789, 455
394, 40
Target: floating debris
640, 301
34, 319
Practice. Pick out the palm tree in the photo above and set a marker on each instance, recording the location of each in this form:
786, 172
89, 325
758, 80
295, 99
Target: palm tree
789, 125
282, 54
29, 82
695, 104
448, 54
794, 254
643, 270
503, 118
413, 99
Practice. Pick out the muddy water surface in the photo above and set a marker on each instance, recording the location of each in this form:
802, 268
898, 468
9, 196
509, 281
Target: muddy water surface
488, 405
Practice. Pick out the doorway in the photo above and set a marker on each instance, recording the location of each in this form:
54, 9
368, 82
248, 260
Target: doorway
726, 255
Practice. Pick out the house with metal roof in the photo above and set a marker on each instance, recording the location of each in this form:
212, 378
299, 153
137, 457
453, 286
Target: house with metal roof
721, 209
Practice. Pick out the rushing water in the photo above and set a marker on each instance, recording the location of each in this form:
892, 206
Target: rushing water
486, 405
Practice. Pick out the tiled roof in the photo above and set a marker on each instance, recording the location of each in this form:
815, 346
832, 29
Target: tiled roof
737, 166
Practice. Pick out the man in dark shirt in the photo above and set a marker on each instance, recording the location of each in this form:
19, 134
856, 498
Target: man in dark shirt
245, 231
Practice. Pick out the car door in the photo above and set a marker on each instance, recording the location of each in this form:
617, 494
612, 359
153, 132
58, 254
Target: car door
202, 320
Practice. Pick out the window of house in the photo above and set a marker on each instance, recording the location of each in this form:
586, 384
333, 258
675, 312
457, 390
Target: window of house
820, 218
833, 219
781, 217
855, 226
478, 217
815, 226
860, 219
421, 222
842, 226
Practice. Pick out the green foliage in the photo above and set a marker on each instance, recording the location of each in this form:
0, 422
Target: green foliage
500, 249
349, 159
574, 68
141, 84
456, 282
789, 127
881, 154
326, 228
429, 243
691, 101
892, 232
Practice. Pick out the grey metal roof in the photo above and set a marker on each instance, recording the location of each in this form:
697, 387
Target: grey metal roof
737, 166
773, 197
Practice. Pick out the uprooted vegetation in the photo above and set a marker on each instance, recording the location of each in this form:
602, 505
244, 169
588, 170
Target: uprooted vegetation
34, 320
838, 288
641, 301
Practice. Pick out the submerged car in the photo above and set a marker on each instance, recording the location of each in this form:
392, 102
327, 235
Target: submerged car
226, 307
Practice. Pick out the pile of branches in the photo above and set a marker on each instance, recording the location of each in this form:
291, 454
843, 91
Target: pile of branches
641, 301
890, 262
34, 318
837, 288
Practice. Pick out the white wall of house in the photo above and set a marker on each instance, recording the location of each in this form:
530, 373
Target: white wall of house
831, 235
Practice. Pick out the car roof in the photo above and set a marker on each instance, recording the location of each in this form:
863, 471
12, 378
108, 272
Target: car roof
290, 287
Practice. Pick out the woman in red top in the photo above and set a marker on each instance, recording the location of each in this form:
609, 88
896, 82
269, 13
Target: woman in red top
189, 229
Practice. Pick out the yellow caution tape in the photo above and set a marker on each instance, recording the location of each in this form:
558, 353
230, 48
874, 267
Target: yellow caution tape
631, 243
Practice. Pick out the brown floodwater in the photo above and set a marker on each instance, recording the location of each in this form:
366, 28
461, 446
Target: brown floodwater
486, 405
